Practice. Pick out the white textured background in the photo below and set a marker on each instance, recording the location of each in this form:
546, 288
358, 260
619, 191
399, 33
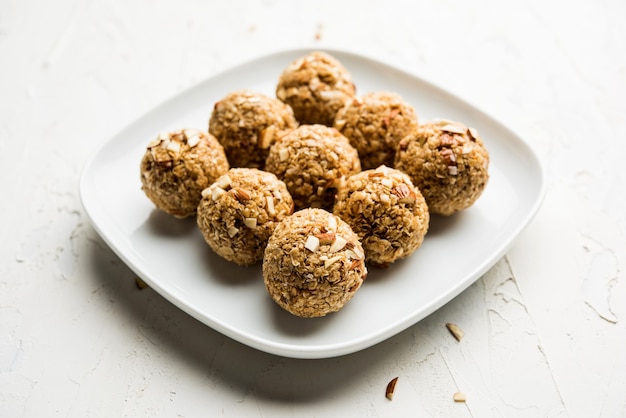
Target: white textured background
545, 328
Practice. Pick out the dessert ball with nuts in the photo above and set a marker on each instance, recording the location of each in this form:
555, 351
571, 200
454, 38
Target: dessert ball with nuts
375, 123
247, 123
386, 211
313, 160
448, 162
239, 212
177, 166
316, 86
313, 263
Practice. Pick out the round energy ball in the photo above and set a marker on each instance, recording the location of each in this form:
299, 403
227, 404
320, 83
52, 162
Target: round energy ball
247, 123
316, 86
386, 211
313, 160
239, 212
313, 263
448, 162
177, 166
374, 124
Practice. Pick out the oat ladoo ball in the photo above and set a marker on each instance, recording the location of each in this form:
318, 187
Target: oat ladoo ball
316, 86
375, 123
177, 166
239, 212
313, 160
247, 123
448, 162
313, 264
386, 211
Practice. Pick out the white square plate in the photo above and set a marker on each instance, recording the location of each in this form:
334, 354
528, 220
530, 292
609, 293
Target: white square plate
171, 256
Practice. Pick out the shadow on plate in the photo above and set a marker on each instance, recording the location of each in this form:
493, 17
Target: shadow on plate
160, 223
440, 224
224, 271
295, 326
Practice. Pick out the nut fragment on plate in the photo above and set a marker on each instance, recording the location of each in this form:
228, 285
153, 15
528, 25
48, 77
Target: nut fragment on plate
302, 271
313, 161
239, 212
375, 123
177, 166
456, 332
391, 387
316, 86
386, 211
448, 162
247, 123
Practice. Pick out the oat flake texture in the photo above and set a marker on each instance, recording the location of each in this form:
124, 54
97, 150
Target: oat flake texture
177, 166
239, 212
386, 211
247, 123
313, 160
448, 162
313, 264
316, 86
374, 124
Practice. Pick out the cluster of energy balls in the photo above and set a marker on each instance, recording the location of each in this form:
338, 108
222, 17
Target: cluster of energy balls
316, 182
